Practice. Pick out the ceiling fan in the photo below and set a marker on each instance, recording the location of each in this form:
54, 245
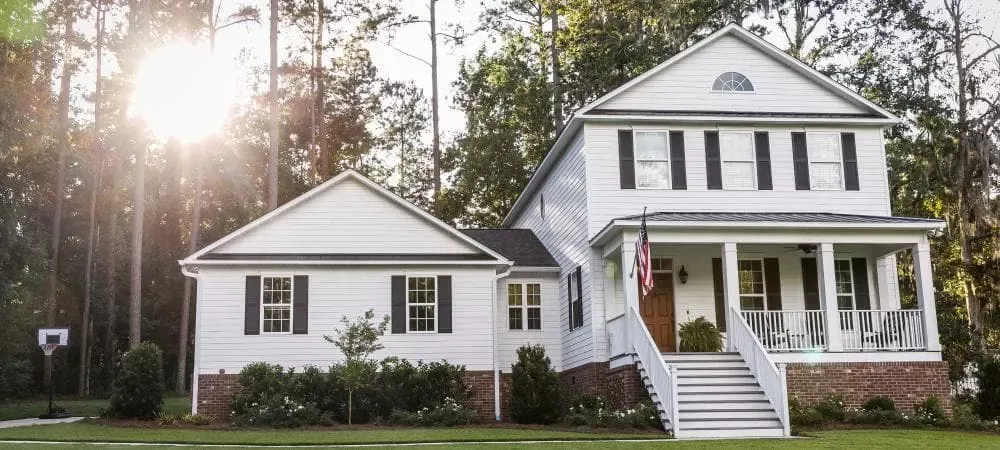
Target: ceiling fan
806, 249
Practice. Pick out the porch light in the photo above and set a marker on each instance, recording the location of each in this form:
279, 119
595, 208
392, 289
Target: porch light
683, 275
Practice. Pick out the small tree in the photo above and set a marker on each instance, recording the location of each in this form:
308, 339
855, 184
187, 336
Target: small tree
137, 391
358, 341
534, 387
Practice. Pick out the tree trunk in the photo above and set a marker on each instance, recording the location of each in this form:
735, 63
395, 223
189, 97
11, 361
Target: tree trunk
556, 81
435, 101
59, 188
110, 282
138, 214
319, 104
272, 162
350, 402
92, 221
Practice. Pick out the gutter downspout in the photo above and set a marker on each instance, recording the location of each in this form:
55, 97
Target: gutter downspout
496, 338
197, 321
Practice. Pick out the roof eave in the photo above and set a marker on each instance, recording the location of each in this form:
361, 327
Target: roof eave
868, 121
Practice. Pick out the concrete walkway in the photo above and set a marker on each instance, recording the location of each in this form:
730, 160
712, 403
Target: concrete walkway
29, 422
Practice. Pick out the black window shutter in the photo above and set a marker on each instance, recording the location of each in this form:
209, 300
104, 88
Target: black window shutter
862, 298
850, 152
569, 300
251, 318
720, 294
810, 283
772, 279
762, 145
713, 160
800, 159
626, 159
398, 304
578, 301
300, 305
678, 166
444, 303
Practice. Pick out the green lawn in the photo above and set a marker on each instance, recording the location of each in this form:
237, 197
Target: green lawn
78, 432
89, 407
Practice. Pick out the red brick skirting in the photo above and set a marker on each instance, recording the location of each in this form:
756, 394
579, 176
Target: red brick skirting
620, 386
906, 383
215, 395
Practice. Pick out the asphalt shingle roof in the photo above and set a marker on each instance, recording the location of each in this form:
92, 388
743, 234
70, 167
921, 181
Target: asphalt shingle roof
803, 217
518, 245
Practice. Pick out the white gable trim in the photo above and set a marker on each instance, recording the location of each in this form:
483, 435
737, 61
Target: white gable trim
353, 175
760, 44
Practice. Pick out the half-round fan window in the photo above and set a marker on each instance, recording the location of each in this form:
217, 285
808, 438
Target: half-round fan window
732, 82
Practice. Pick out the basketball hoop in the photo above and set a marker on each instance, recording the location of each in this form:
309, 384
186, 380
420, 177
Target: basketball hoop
49, 348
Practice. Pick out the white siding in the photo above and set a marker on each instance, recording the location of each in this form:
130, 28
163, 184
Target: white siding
687, 85
333, 294
549, 336
607, 200
347, 218
563, 231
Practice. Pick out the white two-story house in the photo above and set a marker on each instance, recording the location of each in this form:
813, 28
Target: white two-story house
766, 199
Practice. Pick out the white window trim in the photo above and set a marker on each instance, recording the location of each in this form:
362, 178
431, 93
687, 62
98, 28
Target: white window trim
635, 159
524, 306
291, 305
763, 279
752, 160
435, 304
840, 155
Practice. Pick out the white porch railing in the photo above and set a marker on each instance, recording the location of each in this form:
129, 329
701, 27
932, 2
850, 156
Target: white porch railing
662, 378
770, 376
883, 329
788, 330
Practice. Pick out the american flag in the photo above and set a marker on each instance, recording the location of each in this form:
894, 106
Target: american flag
643, 262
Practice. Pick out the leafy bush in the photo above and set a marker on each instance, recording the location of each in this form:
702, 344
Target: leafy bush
594, 412
832, 407
137, 391
15, 379
875, 417
879, 403
700, 335
263, 398
988, 398
534, 387
930, 411
184, 419
448, 414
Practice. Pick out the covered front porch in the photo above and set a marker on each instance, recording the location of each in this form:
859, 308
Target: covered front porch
806, 292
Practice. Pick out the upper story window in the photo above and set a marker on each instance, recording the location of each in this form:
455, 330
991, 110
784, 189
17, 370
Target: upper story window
825, 162
421, 302
739, 167
276, 304
652, 160
732, 82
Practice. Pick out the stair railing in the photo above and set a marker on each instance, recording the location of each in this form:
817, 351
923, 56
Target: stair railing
770, 376
662, 377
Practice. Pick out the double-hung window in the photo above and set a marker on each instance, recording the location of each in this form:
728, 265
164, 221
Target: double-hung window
276, 304
846, 300
421, 303
738, 160
826, 167
524, 306
752, 289
652, 160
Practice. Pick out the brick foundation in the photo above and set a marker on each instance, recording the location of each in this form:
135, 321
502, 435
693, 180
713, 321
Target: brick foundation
621, 386
215, 394
906, 383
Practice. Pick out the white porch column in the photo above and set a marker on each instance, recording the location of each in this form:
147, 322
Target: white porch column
925, 293
828, 296
731, 282
630, 284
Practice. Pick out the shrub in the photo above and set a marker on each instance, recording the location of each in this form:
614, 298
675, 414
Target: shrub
137, 391
534, 387
15, 379
988, 398
264, 398
594, 412
879, 403
184, 419
448, 414
930, 411
875, 417
316, 386
700, 335
832, 407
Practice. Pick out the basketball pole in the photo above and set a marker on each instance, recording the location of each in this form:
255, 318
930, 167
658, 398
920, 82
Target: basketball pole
48, 380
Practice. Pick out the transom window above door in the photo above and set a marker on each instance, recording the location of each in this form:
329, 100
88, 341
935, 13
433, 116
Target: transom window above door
752, 289
652, 159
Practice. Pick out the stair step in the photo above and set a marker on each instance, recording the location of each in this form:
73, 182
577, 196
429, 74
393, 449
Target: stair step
740, 405
721, 396
732, 432
717, 379
733, 424
689, 389
686, 372
758, 414
707, 365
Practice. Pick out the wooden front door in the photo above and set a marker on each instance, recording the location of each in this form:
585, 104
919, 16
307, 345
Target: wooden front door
658, 312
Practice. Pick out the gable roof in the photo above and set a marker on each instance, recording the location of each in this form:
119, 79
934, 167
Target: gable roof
205, 254
768, 49
518, 245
